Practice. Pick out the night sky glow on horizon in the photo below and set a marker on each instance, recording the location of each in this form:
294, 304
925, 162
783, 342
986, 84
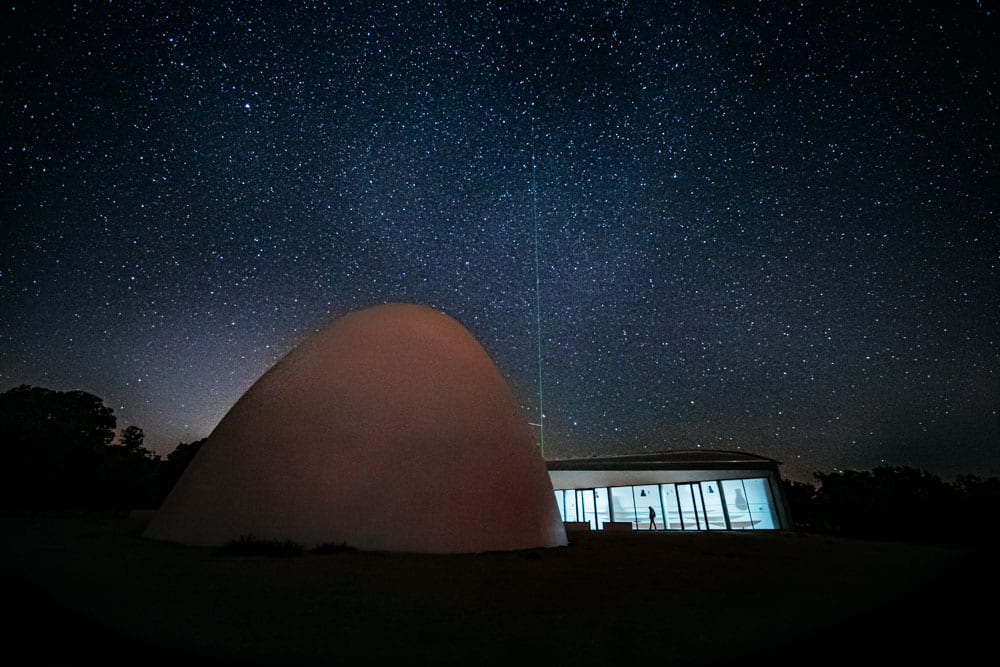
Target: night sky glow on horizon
765, 226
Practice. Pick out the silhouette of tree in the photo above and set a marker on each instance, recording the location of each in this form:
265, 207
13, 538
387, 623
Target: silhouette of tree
53, 445
132, 437
801, 502
890, 502
128, 479
129, 474
979, 507
131, 440
177, 461
183, 453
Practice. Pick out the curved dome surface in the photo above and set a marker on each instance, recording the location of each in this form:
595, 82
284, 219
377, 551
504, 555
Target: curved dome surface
389, 430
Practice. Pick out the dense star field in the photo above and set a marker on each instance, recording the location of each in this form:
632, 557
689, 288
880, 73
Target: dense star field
762, 227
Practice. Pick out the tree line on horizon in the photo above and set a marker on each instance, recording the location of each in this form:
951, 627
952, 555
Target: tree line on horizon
896, 502
61, 454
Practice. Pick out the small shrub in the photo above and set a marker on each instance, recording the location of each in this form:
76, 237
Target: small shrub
248, 545
332, 548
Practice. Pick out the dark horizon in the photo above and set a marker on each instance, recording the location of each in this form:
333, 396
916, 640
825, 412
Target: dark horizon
766, 229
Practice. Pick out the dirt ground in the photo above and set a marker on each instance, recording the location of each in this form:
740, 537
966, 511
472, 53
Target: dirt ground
85, 588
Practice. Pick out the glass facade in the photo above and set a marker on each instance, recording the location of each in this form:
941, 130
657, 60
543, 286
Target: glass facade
622, 503
689, 513
731, 504
715, 512
750, 504
668, 495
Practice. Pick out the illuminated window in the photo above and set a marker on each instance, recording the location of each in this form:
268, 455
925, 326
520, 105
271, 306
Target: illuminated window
715, 515
570, 501
761, 508
646, 497
601, 508
623, 505
692, 512
749, 504
668, 494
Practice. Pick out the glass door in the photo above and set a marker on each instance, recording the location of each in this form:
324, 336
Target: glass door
648, 508
692, 509
711, 494
603, 509
569, 498
586, 507
673, 510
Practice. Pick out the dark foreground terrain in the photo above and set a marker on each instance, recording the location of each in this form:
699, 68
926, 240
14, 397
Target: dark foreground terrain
83, 588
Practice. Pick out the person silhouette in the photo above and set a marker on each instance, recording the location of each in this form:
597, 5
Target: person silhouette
652, 518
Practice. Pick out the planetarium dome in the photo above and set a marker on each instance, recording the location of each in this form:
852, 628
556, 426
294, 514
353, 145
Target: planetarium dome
391, 429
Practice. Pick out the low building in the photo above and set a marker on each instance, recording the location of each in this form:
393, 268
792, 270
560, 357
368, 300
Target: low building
672, 490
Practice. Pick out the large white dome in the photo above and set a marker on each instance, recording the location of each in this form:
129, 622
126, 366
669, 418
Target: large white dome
391, 430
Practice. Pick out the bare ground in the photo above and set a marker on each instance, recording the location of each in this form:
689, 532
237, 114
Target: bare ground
93, 588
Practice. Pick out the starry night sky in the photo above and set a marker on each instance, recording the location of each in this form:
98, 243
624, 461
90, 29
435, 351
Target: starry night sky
768, 227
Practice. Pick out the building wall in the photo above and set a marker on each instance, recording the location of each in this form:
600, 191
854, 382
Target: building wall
584, 479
